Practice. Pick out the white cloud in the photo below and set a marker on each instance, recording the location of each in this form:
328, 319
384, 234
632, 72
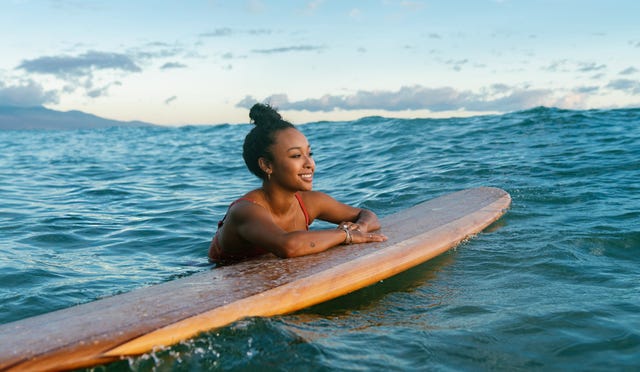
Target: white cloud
28, 94
287, 49
64, 66
219, 32
498, 97
625, 85
629, 71
94, 72
79, 72
172, 65
590, 67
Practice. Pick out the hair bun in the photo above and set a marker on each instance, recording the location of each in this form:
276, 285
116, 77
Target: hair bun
263, 114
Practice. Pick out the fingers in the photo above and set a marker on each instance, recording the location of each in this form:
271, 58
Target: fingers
360, 236
373, 237
350, 225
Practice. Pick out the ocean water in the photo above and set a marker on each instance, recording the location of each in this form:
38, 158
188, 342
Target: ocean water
553, 285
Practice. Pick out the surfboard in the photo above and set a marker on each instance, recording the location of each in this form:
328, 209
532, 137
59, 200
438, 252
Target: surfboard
161, 315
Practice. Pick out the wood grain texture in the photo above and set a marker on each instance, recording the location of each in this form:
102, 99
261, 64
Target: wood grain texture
133, 323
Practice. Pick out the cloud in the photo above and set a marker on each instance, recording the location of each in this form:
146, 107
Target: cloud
226, 31
219, 32
66, 66
513, 100
587, 89
297, 48
93, 90
495, 98
83, 71
557, 66
565, 65
247, 102
625, 85
93, 73
155, 50
28, 94
172, 65
628, 71
260, 31
457, 64
590, 67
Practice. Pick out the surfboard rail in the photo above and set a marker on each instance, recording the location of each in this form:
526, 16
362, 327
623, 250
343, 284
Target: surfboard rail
162, 315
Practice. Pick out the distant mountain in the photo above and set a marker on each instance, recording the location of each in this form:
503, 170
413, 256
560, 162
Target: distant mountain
12, 117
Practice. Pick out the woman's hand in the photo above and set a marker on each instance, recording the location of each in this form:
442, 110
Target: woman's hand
356, 234
351, 226
366, 237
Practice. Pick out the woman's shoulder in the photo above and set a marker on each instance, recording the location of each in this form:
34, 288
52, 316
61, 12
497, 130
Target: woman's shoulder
247, 202
317, 202
314, 196
253, 196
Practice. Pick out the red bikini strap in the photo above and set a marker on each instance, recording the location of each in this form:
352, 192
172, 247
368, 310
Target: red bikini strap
304, 210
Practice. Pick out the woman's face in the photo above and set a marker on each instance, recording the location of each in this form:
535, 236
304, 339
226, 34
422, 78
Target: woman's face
292, 166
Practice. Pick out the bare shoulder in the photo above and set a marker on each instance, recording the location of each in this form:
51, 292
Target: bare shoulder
324, 206
248, 206
312, 197
317, 201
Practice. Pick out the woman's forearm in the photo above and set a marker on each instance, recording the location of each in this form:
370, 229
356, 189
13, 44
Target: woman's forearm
300, 243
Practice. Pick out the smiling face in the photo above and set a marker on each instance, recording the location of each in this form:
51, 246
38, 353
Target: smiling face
292, 166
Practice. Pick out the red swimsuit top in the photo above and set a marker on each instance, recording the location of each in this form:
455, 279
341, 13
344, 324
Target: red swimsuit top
216, 254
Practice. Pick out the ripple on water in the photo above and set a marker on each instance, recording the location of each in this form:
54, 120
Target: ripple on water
554, 285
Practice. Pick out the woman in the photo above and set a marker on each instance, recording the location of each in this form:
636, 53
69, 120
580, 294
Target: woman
276, 217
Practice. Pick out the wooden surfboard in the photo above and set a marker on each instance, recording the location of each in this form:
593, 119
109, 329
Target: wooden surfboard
161, 315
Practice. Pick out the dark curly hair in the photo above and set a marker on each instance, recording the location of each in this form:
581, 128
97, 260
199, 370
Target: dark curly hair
258, 141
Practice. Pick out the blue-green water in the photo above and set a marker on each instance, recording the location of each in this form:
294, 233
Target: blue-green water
554, 285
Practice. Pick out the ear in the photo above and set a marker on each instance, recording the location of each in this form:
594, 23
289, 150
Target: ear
265, 165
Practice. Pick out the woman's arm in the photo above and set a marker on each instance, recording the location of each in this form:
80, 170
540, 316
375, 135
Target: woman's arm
255, 225
367, 221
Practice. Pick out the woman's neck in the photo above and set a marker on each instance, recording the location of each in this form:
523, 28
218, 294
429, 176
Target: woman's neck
280, 201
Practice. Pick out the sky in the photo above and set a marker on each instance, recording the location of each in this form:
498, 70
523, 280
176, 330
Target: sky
175, 62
